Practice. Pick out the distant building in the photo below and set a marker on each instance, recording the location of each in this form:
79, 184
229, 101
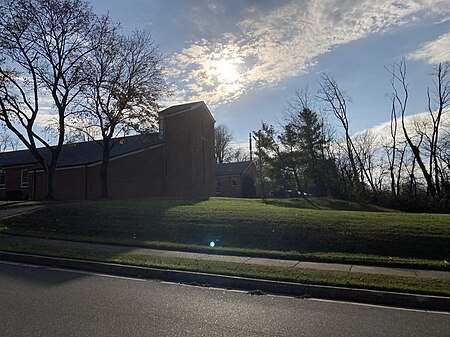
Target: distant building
177, 161
236, 179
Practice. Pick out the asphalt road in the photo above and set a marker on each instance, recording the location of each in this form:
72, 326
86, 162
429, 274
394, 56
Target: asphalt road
39, 301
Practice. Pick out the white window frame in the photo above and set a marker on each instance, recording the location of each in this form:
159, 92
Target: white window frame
2, 186
23, 184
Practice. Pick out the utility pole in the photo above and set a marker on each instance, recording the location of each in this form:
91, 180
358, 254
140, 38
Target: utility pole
250, 145
258, 146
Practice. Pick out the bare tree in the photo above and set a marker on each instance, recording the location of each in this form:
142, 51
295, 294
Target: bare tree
8, 142
300, 100
336, 101
399, 76
44, 45
410, 167
126, 80
395, 151
392, 150
444, 160
438, 103
223, 139
239, 154
365, 148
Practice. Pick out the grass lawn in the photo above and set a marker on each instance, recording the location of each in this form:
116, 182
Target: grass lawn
283, 228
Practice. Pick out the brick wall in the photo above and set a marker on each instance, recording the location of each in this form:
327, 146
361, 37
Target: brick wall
132, 176
181, 167
13, 181
189, 142
229, 186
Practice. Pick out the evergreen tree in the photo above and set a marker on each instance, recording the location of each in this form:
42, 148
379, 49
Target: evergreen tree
297, 157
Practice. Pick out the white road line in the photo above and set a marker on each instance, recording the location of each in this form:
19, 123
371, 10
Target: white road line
380, 306
313, 299
74, 271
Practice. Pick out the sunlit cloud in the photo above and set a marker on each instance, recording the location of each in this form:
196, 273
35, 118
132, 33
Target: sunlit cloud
225, 70
414, 124
434, 52
211, 72
46, 118
286, 42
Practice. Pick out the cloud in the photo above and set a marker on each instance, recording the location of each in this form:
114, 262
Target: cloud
434, 52
382, 132
288, 40
46, 118
204, 70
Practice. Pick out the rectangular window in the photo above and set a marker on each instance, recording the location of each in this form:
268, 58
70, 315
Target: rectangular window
218, 187
24, 178
233, 182
2, 178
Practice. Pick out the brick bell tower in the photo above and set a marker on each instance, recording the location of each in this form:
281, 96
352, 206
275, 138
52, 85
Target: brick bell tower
189, 166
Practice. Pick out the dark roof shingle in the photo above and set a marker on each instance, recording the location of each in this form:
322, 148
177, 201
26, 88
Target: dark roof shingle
82, 153
226, 169
181, 107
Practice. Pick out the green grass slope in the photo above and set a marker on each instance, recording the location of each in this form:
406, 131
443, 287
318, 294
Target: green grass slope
330, 230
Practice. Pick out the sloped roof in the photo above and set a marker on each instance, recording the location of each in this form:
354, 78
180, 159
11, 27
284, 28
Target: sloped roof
185, 107
84, 152
236, 168
91, 152
181, 107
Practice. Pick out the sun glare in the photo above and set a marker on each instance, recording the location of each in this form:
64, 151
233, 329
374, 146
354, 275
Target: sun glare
225, 71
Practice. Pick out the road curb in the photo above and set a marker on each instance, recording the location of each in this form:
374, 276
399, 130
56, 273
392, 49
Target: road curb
438, 303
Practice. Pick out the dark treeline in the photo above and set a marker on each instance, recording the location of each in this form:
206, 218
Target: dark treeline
407, 167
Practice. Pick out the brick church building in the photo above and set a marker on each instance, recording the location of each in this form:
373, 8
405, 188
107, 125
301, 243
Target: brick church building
177, 161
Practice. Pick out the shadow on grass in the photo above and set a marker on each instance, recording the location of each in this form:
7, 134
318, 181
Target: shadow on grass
186, 224
130, 222
326, 204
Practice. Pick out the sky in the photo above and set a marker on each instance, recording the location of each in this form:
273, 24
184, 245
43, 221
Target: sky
246, 58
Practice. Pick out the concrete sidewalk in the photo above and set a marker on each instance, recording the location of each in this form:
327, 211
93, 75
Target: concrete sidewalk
16, 210
115, 249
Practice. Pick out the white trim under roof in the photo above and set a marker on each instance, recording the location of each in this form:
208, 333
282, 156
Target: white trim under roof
250, 164
30, 165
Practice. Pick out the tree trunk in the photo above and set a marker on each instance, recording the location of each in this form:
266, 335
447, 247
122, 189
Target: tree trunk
297, 182
364, 172
400, 165
104, 171
427, 176
391, 169
50, 174
300, 189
